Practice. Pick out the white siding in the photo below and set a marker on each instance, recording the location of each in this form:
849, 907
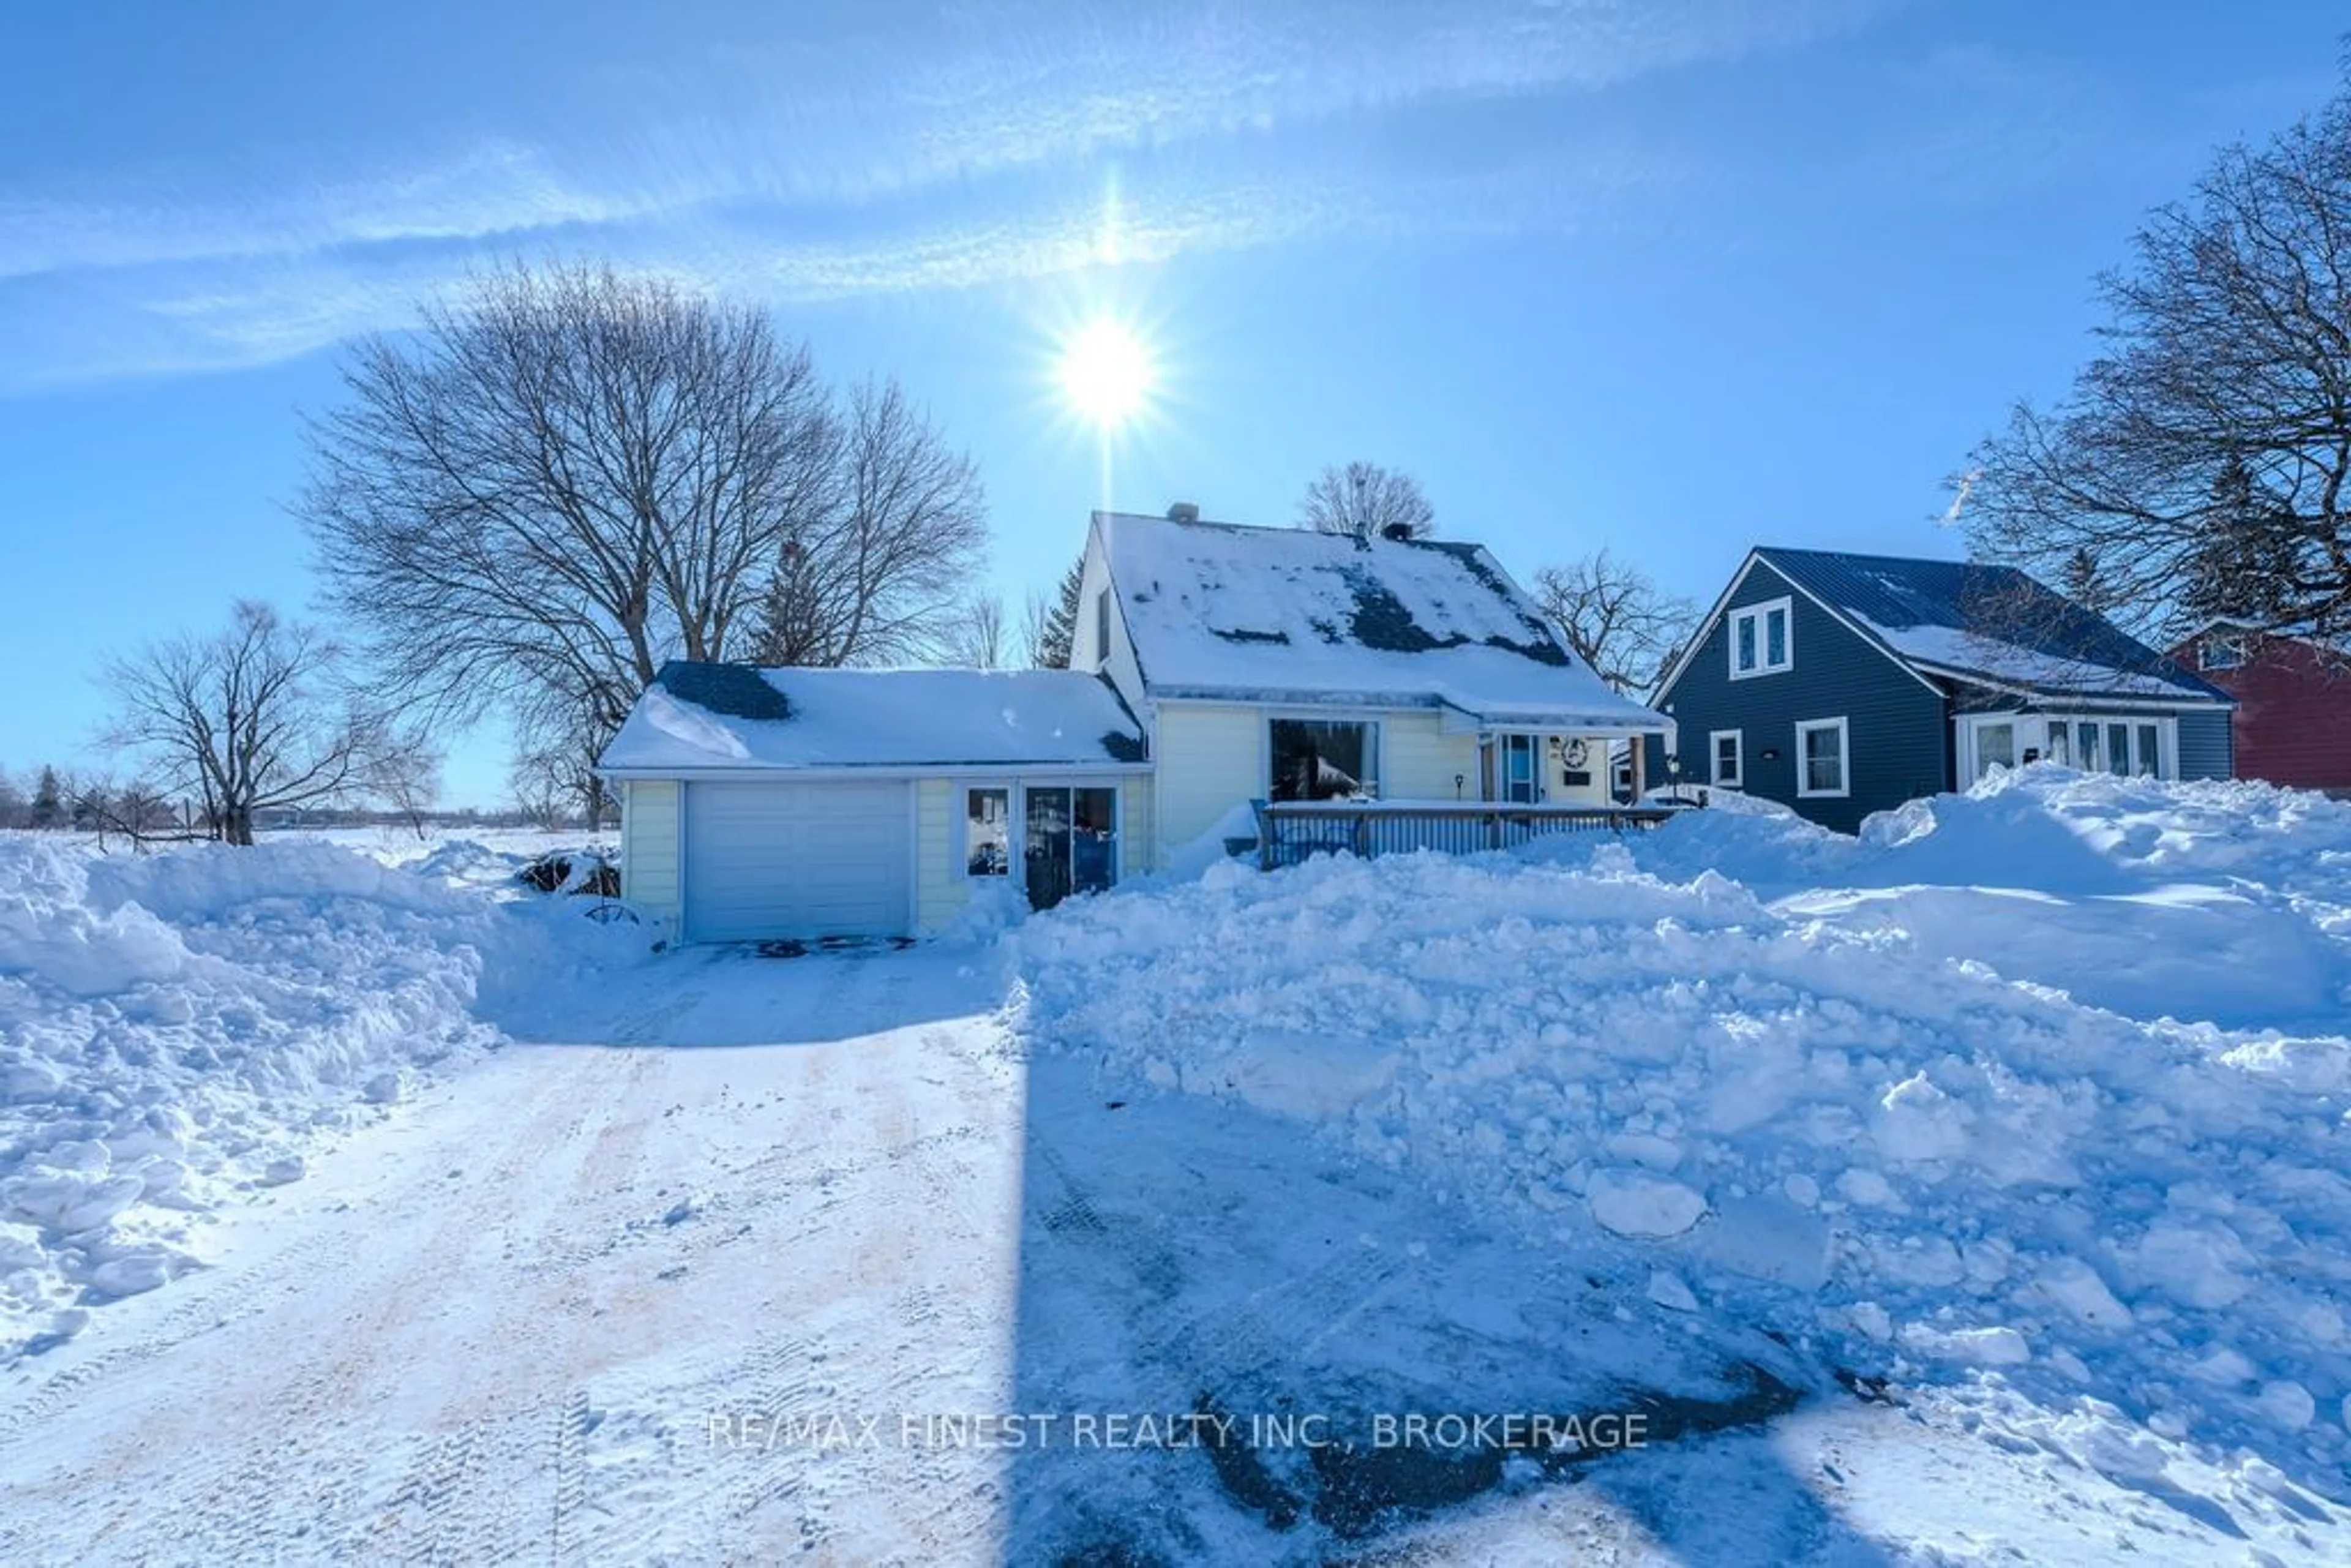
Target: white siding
1557, 790
1118, 660
1138, 833
1420, 760
648, 844
941, 889
1211, 758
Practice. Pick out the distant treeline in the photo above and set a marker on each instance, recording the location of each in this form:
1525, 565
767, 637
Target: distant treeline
60, 799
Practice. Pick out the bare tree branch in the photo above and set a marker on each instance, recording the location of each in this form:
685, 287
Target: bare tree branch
982, 639
567, 477
253, 719
1367, 501
877, 574
2198, 467
1615, 619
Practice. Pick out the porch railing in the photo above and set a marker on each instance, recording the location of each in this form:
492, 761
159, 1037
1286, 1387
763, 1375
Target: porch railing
1288, 831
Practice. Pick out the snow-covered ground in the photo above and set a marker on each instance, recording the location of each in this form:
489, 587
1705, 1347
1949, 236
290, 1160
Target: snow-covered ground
176, 1029
1971, 1192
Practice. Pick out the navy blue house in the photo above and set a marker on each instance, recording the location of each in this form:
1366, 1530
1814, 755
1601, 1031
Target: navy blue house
1843, 685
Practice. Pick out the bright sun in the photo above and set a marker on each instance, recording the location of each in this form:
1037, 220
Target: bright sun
1105, 372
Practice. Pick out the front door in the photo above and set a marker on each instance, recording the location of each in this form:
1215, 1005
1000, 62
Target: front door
1072, 842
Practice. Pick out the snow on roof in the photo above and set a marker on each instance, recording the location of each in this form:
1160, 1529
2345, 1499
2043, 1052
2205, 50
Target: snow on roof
697, 717
1966, 619
1953, 651
1216, 610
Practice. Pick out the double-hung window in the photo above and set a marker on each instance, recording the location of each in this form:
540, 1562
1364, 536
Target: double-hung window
1763, 639
1823, 766
1727, 749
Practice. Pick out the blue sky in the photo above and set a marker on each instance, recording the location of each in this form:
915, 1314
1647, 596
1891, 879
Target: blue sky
1671, 277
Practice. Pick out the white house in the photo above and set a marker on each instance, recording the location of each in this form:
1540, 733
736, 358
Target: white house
1212, 664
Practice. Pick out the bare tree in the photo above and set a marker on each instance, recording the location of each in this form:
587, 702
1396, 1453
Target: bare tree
1367, 501
1048, 625
1615, 619
2198, 467
16, 810
408, 783
566, 477
546, 783
252, 719
877, 574
982, 639
558, 742
137, 812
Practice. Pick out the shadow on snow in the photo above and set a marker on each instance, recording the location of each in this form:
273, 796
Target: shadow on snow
1312, 1341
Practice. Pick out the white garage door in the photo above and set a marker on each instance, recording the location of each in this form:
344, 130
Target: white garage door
798, 860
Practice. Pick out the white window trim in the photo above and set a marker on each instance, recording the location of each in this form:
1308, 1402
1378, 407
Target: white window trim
1760, 615
2166, 738
1017, 827
962, 799
1102, 626
1738, 780
1843, 790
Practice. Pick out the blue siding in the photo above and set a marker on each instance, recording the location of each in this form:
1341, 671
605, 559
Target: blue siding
2207, 749
1898, 729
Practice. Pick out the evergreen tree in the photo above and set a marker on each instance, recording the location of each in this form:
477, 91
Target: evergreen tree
49, 801
1053, 634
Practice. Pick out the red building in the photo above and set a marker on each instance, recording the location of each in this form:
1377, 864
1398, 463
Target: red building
2293, 723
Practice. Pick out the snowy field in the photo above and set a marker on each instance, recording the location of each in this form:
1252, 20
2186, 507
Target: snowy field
1974, 1191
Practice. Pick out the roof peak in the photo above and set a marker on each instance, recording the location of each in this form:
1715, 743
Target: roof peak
1880, 555
1212, 525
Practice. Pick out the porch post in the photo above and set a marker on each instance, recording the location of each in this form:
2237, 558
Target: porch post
1640, 744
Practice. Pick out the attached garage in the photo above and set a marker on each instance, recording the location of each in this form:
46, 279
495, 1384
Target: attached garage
794, 858
761, 804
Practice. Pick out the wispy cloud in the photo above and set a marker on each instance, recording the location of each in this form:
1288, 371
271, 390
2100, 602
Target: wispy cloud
868, 163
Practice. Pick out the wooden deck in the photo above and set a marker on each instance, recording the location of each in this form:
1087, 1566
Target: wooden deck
1288, 831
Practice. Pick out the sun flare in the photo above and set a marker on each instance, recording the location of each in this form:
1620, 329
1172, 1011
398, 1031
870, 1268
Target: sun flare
1106, 372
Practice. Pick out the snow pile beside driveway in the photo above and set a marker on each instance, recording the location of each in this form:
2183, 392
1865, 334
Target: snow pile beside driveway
1838, 1088
179, 1028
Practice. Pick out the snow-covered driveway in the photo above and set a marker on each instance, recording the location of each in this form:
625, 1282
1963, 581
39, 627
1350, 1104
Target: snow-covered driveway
744, 1268
503, 1324
740, 1278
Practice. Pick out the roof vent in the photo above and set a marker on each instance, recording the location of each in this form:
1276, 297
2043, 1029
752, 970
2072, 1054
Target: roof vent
1398, 532
1184, 512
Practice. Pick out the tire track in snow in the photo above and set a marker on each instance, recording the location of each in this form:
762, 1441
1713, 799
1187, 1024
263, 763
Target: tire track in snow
293, 1475
1240, 1340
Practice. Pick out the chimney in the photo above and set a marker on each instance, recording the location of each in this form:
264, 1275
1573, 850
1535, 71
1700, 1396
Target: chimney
1184, 512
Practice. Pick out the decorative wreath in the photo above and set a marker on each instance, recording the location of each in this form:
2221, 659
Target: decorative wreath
1578, 750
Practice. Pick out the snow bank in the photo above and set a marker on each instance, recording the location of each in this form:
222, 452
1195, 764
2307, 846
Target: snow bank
179, 1028
1839, 1086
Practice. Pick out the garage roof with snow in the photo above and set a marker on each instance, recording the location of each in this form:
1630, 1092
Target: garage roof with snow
706, 718
1222, 611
